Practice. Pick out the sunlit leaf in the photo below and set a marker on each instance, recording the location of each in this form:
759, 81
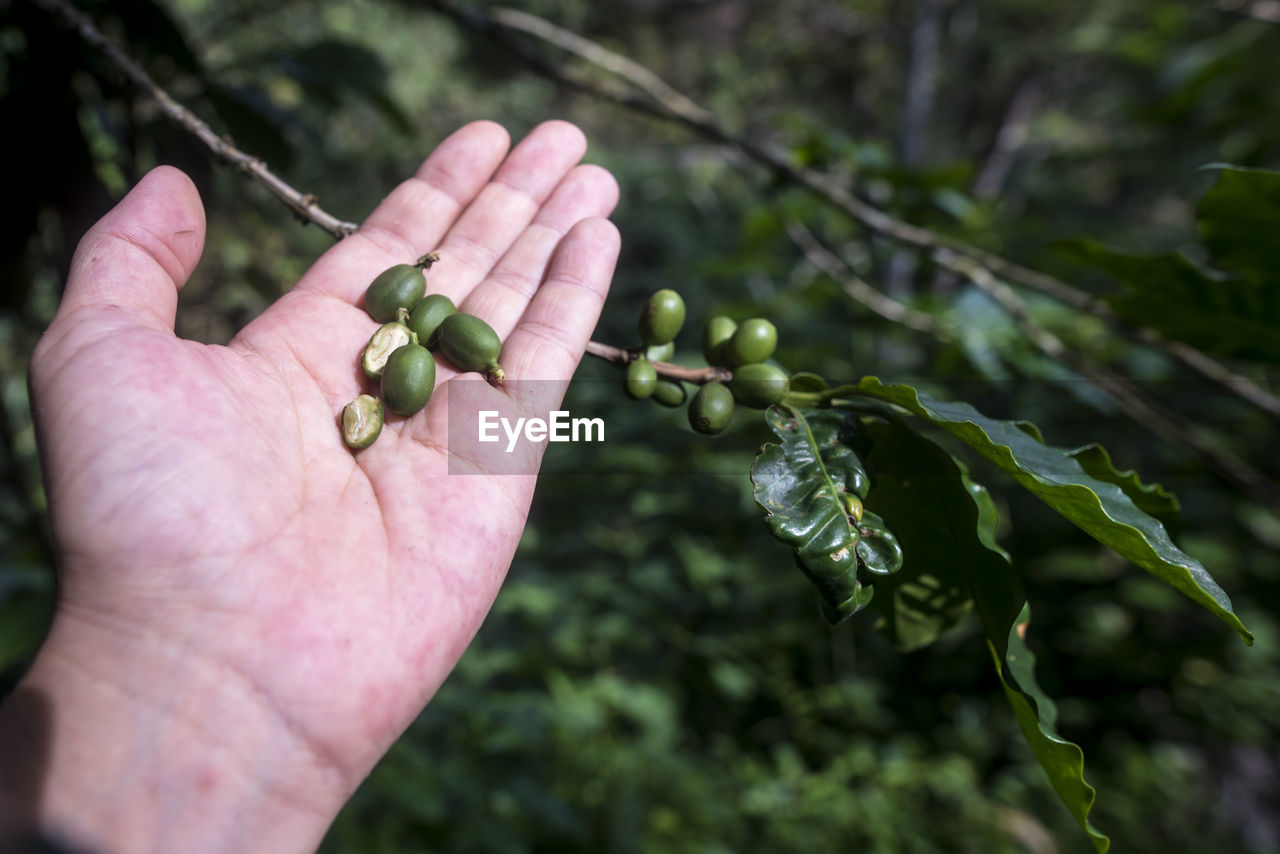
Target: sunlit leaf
1151, 498
1100, 508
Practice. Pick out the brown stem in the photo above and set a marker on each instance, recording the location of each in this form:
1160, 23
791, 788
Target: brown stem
983, 269
302, 204
305, 205
622, 358
658, 99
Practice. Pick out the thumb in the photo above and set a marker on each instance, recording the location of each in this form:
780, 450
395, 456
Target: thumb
128, 268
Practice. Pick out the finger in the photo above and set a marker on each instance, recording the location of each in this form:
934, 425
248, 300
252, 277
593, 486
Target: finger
501, 299
505, 207
550, 338
414, 218
129, 267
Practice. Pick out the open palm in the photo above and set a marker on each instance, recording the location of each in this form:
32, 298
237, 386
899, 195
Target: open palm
201, 496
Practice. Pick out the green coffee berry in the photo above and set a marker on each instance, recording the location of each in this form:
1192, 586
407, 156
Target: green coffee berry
408, 379
758, 385
641, 379
397, 287
711, 409
715, 339
669, 393
389, 338
427, 315
470, 344
362, 421
753, 341
852, 507
661, 352
661, 317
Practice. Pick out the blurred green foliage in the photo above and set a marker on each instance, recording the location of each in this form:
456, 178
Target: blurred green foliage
655, 675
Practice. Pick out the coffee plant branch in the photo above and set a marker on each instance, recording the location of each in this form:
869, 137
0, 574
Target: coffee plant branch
984, 270
619, 356
304, 205
662, 101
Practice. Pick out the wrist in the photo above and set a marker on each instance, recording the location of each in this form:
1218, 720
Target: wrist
125, 742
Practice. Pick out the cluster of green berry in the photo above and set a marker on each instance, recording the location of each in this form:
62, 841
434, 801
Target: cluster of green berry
742, 348
398, 355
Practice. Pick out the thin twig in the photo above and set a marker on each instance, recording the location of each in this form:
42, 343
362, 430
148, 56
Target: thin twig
984, 269
661, 100
873, 300
621, 358
302, 204
306, 207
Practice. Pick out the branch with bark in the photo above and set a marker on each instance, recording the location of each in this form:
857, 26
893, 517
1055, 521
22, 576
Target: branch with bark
643, 91
304, 205
973, 265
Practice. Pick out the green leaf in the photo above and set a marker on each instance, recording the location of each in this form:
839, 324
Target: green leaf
807, 382
918, 485
1100, 508
878, 549
800, 483
1152, 499
1239, 220
947, 523
1061, 760
1233, 317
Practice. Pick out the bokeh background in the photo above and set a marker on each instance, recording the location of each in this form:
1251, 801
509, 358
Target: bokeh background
655, 676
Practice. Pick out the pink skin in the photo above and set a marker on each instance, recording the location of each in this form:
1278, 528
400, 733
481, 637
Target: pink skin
255, 611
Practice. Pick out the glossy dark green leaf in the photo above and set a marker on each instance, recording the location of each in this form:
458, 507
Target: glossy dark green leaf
1239, 220
799, 483
1151, 498
1100, 508
1230, 316
878, 548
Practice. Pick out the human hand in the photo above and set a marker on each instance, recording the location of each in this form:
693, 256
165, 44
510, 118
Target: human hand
242, 595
